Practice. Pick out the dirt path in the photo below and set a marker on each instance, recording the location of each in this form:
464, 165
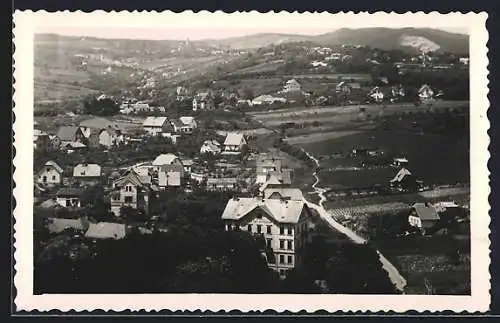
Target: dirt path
393, 274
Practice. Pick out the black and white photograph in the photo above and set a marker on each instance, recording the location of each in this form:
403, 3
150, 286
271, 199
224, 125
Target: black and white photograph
254, 158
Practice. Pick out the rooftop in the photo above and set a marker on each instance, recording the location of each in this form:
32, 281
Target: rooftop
279, 210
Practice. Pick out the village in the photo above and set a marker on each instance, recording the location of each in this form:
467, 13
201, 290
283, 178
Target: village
113, 174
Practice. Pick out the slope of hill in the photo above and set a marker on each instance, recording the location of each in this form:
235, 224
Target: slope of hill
408, 39
257, 40
387, 38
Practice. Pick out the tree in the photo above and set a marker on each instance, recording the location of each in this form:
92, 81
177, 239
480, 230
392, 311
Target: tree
102, 107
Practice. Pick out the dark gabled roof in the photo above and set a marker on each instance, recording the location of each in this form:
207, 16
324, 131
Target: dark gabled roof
67, 133
426, 212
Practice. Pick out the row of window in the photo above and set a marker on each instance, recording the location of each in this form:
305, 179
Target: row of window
259, 229
286, 244
289, 259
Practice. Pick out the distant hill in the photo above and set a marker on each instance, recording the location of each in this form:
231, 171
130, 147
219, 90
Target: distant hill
407, 39
257, 40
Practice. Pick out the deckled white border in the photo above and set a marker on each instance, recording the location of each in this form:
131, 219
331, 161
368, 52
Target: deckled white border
26, 23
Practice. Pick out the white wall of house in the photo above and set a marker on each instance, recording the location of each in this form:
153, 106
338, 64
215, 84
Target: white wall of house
49, 176
68, 201
169, 179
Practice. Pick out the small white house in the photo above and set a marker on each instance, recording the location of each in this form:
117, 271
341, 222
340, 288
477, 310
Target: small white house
156, 125
69, 196
50, 174
210, 147
170, 175
234, 143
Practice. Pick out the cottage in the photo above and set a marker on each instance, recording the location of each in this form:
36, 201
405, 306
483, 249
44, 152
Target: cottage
397, 92
267, 99
106, 230
234, 143
276, 180
41, 140
281, 224
167, 159
222, 184
203, 101
71, 134
88, 174
170, 175
184, 125
292, 86
182, 93
187, 164
156, 125
265, 165
110, 137
69, 196
376, 94
210, 147
425, 93
50, 174
423, 216
132, 190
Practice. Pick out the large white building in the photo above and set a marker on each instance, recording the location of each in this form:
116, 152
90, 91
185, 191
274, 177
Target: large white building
281, 221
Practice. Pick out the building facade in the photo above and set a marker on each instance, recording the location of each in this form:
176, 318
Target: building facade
280, 223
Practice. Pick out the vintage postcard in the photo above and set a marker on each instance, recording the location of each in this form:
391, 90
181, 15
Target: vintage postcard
251, 161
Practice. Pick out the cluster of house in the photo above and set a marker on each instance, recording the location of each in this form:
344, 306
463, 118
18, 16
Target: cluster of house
134, 107
425, 216
90, 133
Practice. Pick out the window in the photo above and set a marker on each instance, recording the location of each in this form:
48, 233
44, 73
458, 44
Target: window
290, 244
53, 177
282, 244
68, 202
269, 229
282, 259
259, 215
44, 179
249, 228
290, 259
82, 173
259, 228
128, 199
269, 242
282, 230
289, 231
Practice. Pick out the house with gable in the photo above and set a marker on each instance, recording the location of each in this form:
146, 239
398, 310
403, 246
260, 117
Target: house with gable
156, 125
87, 174
41, 140
71, 134
203, 101
132, 190
425, 93
292, 86
110, 137
423, 216
281, 224
376, 94
170, 175
69, 196
184, 125
50, 174
210, 147
234, 143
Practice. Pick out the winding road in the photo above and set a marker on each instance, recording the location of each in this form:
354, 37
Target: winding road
394, 275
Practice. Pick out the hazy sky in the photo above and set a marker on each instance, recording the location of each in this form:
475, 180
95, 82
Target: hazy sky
190, 33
